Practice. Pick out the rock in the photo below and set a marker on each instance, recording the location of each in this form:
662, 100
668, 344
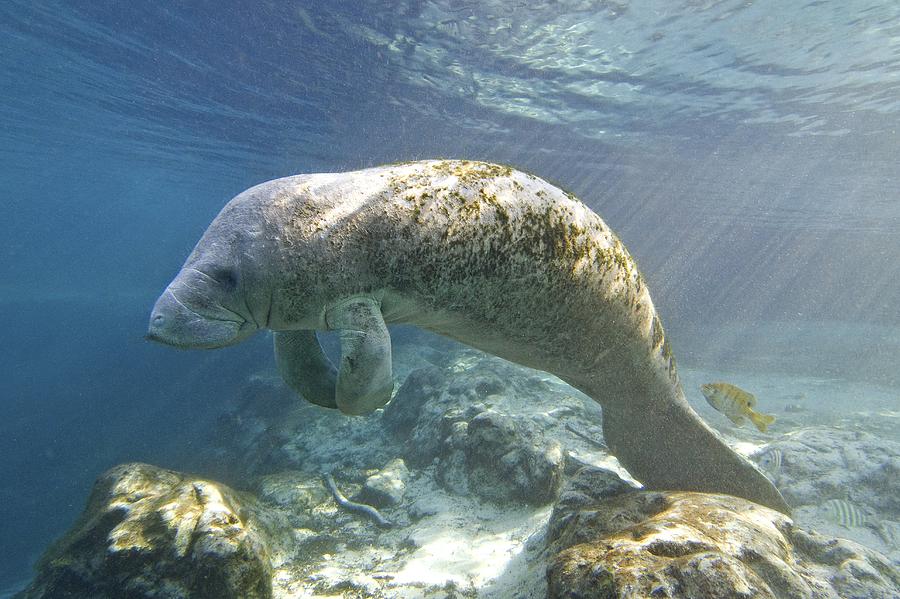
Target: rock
418, 409
815, 465
243, 441
385, 488
464, 418
822, 463
587, 486
292, 489
150, 532
452, 469
694, 545
402, 413
269, 429
508, 460
297, 495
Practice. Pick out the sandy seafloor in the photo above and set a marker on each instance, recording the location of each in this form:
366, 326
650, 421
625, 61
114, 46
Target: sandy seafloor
469, 547
463, 546
474, 548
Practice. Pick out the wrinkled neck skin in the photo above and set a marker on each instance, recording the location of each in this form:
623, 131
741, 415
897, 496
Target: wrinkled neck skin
222, 294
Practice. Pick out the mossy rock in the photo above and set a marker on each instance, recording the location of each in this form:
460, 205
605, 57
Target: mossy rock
150, 532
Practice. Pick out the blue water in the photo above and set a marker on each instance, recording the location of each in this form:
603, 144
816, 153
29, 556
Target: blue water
746, 152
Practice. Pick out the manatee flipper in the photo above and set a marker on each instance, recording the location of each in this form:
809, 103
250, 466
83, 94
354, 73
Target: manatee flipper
305, 367
364, 381
666, 446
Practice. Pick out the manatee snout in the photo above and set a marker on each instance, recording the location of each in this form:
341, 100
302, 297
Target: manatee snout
173, 323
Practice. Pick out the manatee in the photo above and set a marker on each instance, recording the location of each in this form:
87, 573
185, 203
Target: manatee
493, 257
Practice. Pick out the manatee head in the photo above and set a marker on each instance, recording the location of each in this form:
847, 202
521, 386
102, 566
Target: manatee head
222, 294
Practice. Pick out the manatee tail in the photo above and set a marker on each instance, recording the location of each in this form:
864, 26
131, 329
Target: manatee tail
665, 445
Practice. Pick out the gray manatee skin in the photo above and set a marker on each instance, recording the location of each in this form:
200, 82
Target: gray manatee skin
487, 255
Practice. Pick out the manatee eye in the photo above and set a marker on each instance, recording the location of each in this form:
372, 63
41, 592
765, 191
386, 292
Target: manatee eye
226, 277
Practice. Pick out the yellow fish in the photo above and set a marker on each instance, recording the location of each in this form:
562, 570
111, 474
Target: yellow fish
735, 403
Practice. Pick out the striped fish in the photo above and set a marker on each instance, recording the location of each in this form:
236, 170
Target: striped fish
771, 460
735, 403
844, 513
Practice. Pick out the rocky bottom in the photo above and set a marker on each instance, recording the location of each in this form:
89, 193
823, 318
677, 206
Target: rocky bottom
479, 479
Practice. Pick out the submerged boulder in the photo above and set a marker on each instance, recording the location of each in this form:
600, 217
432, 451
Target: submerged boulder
466, 420
150, 532
386, 487
840, 481
817, 463
501, 459
695, 545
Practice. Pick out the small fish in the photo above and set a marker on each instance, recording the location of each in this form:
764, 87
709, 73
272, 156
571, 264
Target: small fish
841, 511
735, 403
771, 460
